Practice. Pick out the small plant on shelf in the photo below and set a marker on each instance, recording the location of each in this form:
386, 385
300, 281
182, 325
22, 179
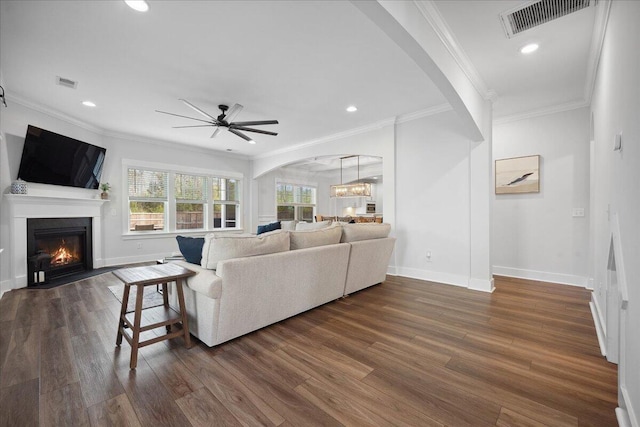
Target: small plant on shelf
105, 187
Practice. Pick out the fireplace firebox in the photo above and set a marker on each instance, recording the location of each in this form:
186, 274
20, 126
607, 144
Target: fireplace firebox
57, 247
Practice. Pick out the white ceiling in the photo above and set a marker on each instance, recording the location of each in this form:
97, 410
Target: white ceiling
301, 63
556, 74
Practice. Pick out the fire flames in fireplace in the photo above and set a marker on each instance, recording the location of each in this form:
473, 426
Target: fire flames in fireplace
65, 254
57, 247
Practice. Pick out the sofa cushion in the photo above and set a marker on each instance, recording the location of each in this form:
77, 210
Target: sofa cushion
312, 225
219, 247
311, 238
191, 248
268, 227
364, 231
288, 225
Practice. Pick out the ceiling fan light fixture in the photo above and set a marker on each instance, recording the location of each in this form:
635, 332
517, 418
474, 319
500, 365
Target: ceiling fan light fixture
224, 121
137, 5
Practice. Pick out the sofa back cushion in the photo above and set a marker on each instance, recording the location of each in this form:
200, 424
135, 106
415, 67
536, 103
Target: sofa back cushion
288, 225
312, 225
217, 248
364, 231
311, 238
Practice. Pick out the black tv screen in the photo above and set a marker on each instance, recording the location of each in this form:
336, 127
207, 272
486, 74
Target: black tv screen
49, 158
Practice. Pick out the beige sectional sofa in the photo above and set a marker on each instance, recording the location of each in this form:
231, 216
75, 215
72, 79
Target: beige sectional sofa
281, 274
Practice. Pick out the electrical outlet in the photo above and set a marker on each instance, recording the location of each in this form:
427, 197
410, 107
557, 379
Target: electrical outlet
428, 256
139, 245
578, 212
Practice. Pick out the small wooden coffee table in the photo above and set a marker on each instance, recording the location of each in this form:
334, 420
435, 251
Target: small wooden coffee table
156, 316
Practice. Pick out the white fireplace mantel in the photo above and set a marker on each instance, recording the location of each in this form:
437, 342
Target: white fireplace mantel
23, 206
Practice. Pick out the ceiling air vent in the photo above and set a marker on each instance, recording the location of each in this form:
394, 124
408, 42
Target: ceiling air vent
536, 13
66, 82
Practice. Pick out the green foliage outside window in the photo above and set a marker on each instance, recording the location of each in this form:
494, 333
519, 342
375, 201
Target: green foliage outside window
146, 207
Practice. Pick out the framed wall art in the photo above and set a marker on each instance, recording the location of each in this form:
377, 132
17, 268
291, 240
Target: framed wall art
518, 175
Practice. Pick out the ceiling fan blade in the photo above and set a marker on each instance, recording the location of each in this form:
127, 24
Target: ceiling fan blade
193, 126
186, 117
266, 132
204, 113
241, 135
254, 123
232, 112
215, 132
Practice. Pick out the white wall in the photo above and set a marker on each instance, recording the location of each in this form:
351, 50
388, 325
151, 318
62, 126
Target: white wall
117, 249
535, 235
615, 107
432, 200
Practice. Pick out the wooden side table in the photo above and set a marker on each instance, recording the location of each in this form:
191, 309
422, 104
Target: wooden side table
159, 316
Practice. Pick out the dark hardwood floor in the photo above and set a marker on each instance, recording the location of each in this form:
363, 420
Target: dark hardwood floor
406, 352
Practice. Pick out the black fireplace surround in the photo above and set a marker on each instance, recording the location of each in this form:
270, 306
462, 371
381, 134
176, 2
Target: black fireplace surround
58, 247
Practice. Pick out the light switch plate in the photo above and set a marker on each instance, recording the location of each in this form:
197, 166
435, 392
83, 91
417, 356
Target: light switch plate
578, 212
617, 144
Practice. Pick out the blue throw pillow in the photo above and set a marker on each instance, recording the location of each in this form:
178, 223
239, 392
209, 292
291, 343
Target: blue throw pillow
191, 248
269, 227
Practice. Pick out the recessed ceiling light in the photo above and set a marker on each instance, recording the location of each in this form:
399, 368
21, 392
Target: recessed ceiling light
352, 108
251, 141
529, 48
139, 5
88, 104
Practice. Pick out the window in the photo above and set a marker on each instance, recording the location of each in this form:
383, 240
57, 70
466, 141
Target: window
147, 199
191, 198
226, 201
190, 202
295, 201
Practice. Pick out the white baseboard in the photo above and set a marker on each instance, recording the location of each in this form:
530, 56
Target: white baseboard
625, 413
622, 417
481, 285
541, 276
391, 270
433, 276
599, 323
110, 262
5, 285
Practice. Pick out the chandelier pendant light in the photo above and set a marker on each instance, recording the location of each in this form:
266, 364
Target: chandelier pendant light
359, 189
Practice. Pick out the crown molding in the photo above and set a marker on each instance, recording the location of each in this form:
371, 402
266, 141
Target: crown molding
603, 8
573, 105
318, 141
363, 129
55, 114
432, 15
423, 113
162, 143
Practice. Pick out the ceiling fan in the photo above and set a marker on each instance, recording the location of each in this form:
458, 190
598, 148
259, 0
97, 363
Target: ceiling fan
224, 120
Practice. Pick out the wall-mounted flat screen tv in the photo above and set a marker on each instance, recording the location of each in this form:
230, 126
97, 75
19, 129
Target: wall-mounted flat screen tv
50, 158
